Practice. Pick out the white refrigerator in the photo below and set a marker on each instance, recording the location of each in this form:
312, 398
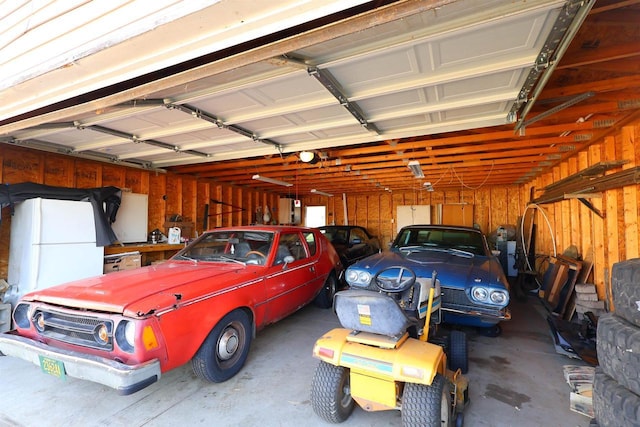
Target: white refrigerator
52, 242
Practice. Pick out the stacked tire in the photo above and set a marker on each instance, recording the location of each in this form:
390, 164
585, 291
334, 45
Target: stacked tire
616, 385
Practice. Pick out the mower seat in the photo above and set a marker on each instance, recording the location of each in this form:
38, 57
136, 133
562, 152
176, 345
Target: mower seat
373, 312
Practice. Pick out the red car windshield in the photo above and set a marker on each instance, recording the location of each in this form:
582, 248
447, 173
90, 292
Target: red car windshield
250, 247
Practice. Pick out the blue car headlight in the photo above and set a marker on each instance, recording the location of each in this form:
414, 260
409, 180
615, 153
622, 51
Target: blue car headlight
480, 294
491, 296
358, 278
499, 297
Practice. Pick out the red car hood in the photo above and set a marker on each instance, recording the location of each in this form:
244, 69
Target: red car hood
148, 289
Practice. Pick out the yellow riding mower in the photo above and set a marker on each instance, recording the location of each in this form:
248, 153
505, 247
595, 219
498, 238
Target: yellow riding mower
383, 357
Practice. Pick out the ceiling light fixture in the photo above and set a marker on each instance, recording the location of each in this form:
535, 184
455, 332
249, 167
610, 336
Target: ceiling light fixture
271, 180
427, 186
306, 156
416, 170
322, 193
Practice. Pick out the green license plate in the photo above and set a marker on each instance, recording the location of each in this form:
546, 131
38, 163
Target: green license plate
52, 367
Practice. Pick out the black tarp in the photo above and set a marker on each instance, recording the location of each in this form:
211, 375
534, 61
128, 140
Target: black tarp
104, 200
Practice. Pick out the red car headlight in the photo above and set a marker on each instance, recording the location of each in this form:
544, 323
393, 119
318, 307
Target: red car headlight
126, 335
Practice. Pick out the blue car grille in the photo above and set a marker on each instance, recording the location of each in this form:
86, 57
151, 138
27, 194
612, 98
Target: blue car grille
457, 299
75, 329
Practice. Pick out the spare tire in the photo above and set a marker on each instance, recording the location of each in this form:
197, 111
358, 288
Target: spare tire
625, 289
614, 405
618, 345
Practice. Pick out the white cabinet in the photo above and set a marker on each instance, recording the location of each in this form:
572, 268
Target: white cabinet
287, 212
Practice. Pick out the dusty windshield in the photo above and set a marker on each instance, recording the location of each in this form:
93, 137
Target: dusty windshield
444, 239
241, 246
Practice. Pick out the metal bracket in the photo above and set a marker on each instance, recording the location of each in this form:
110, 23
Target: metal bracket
589, 205
326, 79
203, 115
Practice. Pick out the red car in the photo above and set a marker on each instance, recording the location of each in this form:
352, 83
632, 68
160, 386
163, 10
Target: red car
204, 305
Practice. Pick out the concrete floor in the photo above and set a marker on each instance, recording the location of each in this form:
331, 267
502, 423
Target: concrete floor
515, 380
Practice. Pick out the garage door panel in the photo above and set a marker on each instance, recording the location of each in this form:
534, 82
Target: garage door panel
472, 88
493, 40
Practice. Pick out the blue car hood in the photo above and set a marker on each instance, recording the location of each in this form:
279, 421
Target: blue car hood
453, 269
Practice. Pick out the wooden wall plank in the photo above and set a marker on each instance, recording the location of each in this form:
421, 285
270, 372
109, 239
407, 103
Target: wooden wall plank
573, 221
468, 197
397, 199
373, 212
611, 224
596, 230
58, 171
361, 210
227, 198
351, 210
387, 231
498, 206
215, 209
630, 194
189, 202
335, 211
584, 239
113, 176
248, 204
137, 180
513, 205
203, 199
482, 209
22, 165
565, 216
436, 198
87, 174
556, 213
174, 195
451, 197
157, 201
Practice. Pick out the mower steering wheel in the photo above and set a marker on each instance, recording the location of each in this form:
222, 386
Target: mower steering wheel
395, 279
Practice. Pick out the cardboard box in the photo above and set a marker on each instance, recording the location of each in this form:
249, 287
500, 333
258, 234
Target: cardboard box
119, 262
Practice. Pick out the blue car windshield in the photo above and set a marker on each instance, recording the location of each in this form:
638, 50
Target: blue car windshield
444, 239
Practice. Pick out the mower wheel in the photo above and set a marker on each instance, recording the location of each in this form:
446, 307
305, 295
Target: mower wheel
427, 406
458, 353
330, 393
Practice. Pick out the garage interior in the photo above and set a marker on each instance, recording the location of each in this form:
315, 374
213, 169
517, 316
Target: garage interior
522, 115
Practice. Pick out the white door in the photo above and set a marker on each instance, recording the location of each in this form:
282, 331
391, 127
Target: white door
315, 216
413, 214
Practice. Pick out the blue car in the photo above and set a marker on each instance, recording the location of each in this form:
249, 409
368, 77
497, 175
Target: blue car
474, 289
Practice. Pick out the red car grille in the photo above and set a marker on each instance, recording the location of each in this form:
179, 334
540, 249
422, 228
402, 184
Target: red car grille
75, 329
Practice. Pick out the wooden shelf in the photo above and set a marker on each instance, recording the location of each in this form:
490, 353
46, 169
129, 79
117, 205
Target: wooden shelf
150, 252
